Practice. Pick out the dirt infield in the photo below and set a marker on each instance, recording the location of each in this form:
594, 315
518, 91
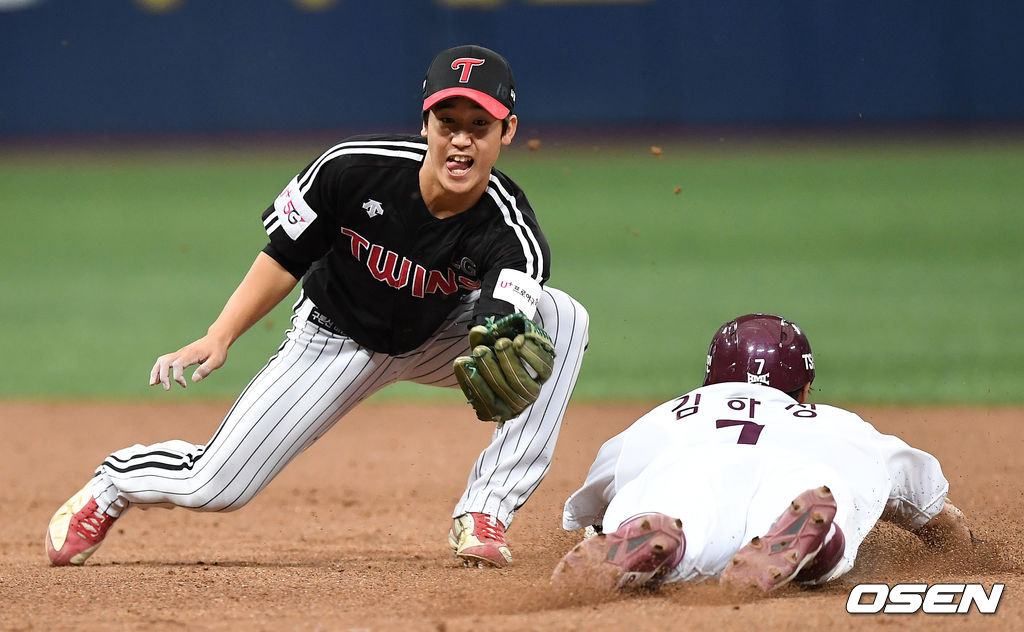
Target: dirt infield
352, 536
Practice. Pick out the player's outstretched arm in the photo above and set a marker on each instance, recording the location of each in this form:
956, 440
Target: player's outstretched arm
264, 286
947, 531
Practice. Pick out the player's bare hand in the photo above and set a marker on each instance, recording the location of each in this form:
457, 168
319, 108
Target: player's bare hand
208, 353
947, 531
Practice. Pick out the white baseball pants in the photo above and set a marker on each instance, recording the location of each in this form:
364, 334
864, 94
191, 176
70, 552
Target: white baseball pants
314, 379
724, 497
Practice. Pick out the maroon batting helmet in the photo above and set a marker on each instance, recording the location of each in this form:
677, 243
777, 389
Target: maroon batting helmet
760, 349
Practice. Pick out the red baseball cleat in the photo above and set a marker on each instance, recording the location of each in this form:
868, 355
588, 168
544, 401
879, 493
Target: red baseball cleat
639, 553
479, 540
772, 560
76, 530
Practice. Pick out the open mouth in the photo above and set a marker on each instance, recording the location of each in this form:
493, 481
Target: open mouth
458, 165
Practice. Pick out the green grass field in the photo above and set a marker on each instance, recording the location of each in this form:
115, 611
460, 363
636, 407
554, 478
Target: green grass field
903, 261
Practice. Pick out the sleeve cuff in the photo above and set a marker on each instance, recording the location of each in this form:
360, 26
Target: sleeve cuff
296, 268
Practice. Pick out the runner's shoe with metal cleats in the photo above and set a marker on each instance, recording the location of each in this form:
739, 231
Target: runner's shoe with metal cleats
77, 529
641, 552
479, 540
772, 560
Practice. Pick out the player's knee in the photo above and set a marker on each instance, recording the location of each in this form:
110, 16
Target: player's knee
214, 498
579, 318
582, 316
216, 503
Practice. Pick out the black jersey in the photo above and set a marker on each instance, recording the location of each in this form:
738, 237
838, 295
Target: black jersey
353, 226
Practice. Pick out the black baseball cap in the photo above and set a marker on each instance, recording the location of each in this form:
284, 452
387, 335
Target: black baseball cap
474, 72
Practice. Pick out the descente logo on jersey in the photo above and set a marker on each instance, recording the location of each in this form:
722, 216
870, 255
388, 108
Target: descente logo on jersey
384, 265
373, 208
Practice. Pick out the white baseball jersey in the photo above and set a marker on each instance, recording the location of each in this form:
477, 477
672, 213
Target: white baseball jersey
728, 458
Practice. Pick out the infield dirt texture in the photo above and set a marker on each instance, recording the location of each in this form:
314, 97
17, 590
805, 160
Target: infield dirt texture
352, 536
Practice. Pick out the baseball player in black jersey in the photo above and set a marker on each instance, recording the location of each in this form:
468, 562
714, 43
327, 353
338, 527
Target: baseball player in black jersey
403, 244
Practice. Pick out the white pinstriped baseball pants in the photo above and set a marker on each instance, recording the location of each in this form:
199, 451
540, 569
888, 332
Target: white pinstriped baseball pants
314, 379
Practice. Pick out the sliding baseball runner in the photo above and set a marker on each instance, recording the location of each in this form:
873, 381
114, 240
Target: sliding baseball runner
742, 480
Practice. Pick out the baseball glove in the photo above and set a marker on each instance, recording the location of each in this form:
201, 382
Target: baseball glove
512, 357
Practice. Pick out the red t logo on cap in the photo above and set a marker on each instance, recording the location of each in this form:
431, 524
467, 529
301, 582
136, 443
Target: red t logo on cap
466, 63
